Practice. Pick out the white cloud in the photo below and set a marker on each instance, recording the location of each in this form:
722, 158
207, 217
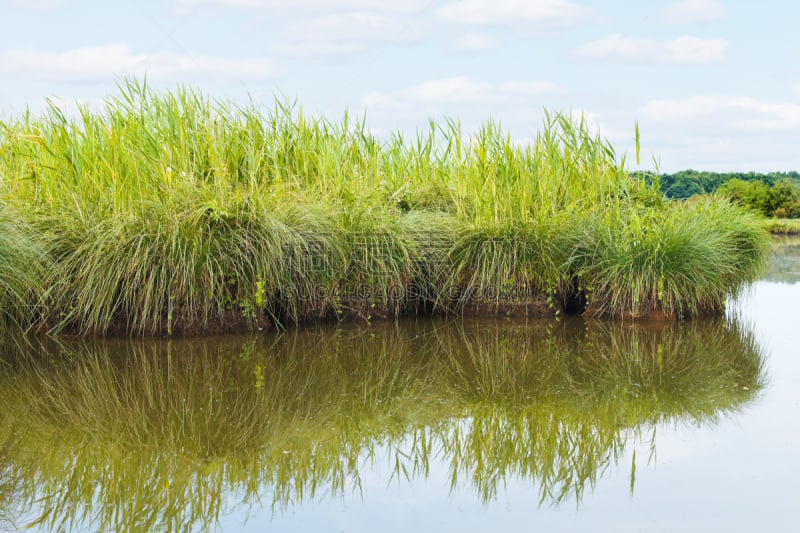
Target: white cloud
684, 50
311, 7
102, 63
36, 5
724, 114
517, 103
346, 33
323, 28
723, 132
475, 42
461, 90
533, 15
594, 123
689, 11
318, 49
720, 132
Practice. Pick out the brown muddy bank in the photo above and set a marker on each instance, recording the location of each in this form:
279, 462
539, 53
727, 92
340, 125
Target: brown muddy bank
536, 305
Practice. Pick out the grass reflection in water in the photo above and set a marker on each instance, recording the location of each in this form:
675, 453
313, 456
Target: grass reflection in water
171, 434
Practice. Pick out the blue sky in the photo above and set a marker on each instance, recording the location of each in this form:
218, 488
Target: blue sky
714, 84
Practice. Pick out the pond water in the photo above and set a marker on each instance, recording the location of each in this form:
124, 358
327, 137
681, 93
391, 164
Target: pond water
427, 425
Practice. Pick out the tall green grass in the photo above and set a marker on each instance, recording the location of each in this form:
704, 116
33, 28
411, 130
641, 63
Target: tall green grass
23, 266
169, 212
683, 259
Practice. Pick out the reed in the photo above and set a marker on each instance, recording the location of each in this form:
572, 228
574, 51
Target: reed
169, 212
173, 434
679, 259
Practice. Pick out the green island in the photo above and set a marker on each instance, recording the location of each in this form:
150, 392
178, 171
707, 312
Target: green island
175, 434
169, 213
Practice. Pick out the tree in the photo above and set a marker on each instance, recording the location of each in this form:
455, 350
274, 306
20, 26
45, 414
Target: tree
779, 200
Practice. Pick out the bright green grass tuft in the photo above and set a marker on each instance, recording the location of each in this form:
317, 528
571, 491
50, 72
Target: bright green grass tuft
172, 213
23, 264
684, 259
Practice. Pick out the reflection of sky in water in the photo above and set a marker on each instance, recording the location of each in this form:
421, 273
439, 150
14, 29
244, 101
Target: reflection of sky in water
785, 264
738, 475
734, 475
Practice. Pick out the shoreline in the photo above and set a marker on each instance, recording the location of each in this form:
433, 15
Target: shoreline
168, 212
537, 306
782, 226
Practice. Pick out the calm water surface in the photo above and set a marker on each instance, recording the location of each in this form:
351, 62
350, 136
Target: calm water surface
420, 425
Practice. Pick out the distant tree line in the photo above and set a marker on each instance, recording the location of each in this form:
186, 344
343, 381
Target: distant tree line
776, 194
687, 183
780, 200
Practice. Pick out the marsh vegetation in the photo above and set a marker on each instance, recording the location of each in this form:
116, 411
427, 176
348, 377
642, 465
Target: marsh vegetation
169, 213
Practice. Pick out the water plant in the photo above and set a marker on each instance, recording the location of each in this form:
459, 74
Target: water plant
169, 212
782, 226
23, 265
